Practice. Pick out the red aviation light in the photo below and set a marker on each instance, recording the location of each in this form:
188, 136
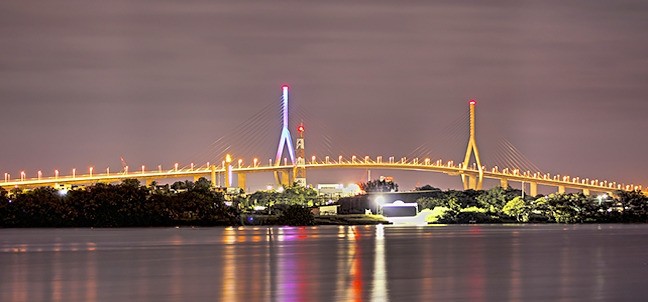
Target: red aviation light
284, 86
472, 102
300, 128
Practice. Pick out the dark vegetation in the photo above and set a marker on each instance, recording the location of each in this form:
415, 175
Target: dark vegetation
296, 215
122, 205
379, 185
130, 204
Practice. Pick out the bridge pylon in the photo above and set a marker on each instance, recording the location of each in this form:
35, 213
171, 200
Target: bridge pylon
285, 140
470, 179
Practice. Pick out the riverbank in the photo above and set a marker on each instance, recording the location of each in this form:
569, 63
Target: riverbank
348, 219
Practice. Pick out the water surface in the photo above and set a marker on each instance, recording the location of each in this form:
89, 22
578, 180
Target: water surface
329, 263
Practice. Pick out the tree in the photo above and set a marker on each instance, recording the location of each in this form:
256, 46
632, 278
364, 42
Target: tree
131, 182
202, 184
493, 199
517, 208
182, 185
634, 205
562, 208
296, 194
263, 198
379, 185
41, 207
297, 215
427, 188
431, 202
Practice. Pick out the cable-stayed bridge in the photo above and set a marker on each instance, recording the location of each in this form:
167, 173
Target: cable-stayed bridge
510, 165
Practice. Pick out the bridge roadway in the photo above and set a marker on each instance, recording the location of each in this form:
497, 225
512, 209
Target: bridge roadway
504, 176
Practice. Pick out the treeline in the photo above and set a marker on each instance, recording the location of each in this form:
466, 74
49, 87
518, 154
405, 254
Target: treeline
498, 205
129, 204
122, 205
504, 205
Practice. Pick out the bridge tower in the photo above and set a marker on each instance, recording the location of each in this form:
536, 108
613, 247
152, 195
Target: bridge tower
285, 140
300, 168
472, 180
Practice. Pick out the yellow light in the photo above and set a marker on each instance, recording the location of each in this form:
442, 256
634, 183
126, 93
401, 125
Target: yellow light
228, 158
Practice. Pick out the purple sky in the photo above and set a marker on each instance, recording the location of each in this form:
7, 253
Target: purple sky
84, 82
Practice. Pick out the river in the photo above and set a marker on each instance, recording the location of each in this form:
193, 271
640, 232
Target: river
327, 263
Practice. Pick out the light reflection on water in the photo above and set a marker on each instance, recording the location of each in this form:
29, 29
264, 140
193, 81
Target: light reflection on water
345, 263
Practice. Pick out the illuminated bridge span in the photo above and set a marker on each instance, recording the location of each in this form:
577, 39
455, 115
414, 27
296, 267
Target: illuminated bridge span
287, 172
214, 173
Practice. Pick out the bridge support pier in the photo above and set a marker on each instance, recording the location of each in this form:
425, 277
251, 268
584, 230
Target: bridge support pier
533, 189
283, 177
504, 183
561, 189
586, 192
212, 175
228, 171
471, 181
241, 180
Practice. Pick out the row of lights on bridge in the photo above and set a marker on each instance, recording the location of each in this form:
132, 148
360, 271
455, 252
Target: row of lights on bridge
354, 159
91, 172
